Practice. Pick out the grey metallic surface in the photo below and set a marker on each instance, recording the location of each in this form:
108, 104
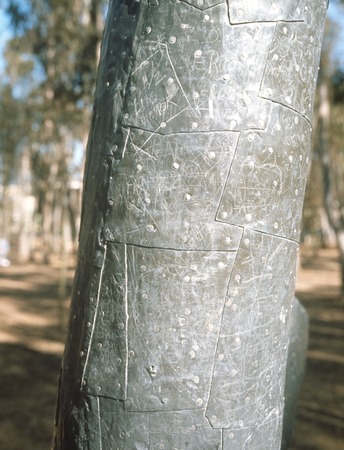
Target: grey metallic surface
166, 196
247, 378
266, 184
167, 430
195, 175
292, 64
105, 358
190, 68
174, 321
296, 366
243, 11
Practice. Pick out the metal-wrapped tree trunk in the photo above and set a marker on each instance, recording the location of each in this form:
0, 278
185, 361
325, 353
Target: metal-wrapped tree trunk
194, 184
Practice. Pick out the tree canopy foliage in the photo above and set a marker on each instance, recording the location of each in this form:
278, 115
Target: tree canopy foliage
46, 94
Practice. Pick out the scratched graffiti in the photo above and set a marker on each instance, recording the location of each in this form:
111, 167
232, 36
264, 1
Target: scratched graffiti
267, 164
166, 193
195, 176
244, 11
192, 76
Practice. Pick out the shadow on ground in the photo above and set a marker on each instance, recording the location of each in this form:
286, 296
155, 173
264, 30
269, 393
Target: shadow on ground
28, 381
32, 332
320, 414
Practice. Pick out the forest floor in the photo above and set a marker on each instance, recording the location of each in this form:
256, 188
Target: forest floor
32, 331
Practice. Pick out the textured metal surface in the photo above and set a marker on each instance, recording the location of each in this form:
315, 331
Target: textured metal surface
266, 184
105, 352
292, 64
174, 319
296, 365
167, 430
195, 72
247, 378
165, 194
203, 4
243, 11
195, 176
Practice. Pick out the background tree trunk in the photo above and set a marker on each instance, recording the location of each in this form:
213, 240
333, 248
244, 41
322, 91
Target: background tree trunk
332, 202
194, 184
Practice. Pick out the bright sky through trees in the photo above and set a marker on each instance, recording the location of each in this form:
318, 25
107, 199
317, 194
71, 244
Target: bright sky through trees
335, 13
4, 36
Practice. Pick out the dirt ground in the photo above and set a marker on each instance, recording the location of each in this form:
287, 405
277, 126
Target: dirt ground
320, 415
32, 333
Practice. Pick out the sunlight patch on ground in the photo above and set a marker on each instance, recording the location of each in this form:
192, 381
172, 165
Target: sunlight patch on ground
325, 356
39, 345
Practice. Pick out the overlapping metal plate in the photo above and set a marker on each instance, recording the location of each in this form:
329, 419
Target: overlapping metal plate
292, 65
244, 11
166, 189
194, 72
248, 377
266, 184
176, 301
121, 430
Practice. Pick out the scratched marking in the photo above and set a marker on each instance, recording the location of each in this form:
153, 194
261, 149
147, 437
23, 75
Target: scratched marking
181, 82
122, 430
92, 414
166, 189
244, 11
292, 64
106, 365
203, 4
266, 184
174, 429
175, 305
160, 430
248, 379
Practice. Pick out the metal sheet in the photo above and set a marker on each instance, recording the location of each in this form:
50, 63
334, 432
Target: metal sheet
106, 353
265, 436
203, 4
175, 303
83, 307
265, 188
121, 430
250, 363
296, 365
118, 47
166, 189
189, 77
173, 430
293, 60
243, 11
91, 436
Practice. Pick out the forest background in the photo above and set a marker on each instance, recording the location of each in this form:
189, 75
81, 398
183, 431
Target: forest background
50, 50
